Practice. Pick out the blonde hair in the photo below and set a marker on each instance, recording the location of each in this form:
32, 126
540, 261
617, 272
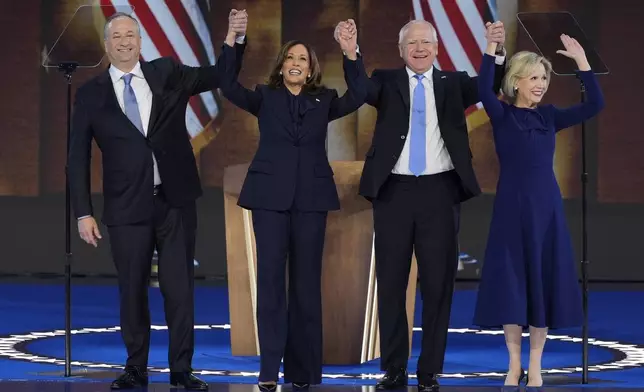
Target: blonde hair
520, 66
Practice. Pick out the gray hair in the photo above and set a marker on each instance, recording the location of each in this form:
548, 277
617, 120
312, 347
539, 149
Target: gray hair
118, 15
405, 28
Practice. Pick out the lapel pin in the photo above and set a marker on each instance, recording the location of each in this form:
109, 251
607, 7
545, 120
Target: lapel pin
317, 99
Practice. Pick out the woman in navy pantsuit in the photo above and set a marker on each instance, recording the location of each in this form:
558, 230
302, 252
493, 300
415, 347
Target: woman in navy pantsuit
290, 188
529, 278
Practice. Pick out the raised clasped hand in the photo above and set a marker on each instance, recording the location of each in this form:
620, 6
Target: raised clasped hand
495, 32
346, 34
238, 22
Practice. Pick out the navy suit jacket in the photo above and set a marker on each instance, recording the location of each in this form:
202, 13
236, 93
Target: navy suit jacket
454, 92
290, 168
128, 176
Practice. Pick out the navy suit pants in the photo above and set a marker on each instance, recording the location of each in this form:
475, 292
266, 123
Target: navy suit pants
290, 327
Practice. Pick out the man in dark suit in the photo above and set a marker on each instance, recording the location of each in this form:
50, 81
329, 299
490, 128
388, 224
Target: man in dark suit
418, 168
136, 112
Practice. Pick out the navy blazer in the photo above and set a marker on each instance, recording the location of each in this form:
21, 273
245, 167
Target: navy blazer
290, 168
454, 92
128, 176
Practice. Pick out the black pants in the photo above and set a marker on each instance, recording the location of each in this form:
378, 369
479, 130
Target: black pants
293, 331
457, 227
415, 214
173, 233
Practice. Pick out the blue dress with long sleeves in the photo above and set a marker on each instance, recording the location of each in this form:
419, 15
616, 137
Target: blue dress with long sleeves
529, 275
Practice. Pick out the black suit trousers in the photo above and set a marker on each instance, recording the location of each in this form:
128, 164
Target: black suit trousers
290, 328
173, 233
415, 214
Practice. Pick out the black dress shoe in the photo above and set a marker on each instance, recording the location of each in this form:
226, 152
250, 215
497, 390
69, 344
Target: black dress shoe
427, 383
300, 385
267, 387
188, 381
132, 377
394, 378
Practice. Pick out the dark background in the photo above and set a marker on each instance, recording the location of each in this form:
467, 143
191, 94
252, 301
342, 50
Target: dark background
32, 128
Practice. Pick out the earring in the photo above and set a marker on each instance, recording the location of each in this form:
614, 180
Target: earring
280, 72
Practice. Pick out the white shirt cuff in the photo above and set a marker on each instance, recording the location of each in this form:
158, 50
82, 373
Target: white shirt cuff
240, 40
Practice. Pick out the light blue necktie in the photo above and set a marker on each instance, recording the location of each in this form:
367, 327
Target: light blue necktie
417, 160
131, 105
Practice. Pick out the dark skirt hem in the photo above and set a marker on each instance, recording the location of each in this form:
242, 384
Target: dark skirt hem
526, 327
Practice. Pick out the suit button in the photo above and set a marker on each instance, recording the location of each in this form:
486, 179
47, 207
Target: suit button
402, 137
394, 157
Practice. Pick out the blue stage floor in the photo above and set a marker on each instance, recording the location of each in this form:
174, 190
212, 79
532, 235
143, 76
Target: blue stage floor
32, 342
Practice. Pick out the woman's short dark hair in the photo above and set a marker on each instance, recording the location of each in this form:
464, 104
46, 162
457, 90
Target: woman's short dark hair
312, 84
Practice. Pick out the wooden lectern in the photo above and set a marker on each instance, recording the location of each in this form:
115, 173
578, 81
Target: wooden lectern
350, 319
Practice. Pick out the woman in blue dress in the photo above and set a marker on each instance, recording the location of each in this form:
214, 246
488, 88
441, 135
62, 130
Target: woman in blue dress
529, 277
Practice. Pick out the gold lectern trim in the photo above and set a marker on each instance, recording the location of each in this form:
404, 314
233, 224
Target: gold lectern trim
252, 274
371, 314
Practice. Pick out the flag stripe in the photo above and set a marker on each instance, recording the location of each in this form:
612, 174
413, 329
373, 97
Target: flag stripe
185, 24
108, 8
156, 33
443, 57
460, 27
184, 54
201, 27
486, 9
190, 33
148, 52
146, 16
464, 34
418, 11
194, 27
204, 9
475, 22
451, 44
169, 36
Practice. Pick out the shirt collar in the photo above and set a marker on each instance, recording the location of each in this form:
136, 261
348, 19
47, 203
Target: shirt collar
427, 75
116, 74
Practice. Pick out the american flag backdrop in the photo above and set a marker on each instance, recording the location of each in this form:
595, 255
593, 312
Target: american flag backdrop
180, 29
460, 26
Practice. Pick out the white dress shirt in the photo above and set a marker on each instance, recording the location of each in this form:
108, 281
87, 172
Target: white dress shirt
436, 154
143, 98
